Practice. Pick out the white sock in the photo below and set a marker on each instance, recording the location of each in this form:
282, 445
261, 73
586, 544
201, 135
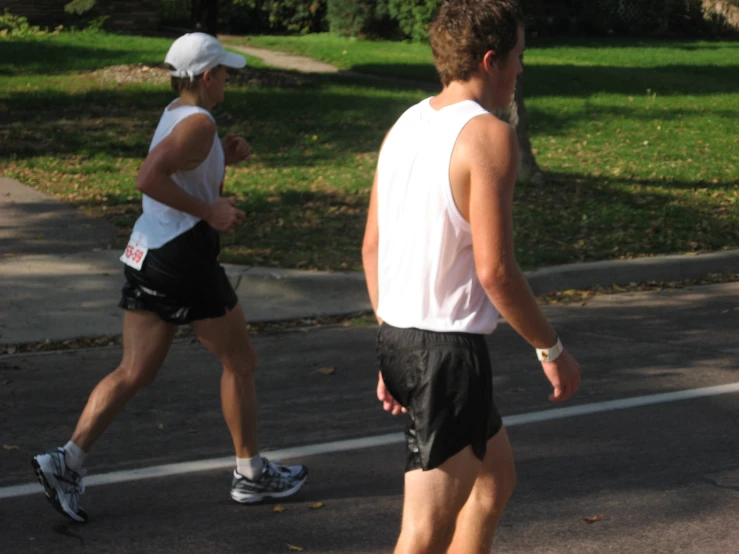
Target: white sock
251, 468
74, 456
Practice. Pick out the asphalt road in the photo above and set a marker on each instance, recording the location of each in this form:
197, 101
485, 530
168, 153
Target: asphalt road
661, 477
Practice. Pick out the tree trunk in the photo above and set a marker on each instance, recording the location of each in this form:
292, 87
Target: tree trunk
205, 16
196, 12
515, 114
211, 18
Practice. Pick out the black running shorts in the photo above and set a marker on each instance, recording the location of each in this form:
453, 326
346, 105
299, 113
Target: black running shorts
182, 281
445, 381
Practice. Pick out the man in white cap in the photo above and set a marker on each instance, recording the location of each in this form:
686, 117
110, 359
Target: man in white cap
173, 278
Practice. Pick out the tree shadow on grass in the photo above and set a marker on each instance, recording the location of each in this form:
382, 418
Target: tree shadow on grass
629, 42
575, 81
37, 57
582, 81
280, 123
551, 122
578, 218
287, 126
574, 218
299, 221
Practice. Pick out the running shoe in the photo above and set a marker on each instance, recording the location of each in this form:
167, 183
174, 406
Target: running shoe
276, 481
62, 485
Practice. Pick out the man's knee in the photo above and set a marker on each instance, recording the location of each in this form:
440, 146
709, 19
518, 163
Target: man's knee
428, 535
132, 378
491, 496
241, 361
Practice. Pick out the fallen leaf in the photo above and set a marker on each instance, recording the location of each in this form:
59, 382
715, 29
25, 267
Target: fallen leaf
11, 349
316, 505
11, 447
279, 508
160, 426
327, 370
592, 519
294, 548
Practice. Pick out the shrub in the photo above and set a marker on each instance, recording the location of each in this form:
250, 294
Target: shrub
17, 26
295, 16
622, 17
272, 16
360, 18
414, 17
243, 16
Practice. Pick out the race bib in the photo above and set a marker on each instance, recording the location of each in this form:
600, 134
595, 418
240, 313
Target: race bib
135, 252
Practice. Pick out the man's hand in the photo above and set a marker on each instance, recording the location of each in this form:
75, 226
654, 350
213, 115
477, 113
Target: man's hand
223, 215
388, 402
235, 149
564, 375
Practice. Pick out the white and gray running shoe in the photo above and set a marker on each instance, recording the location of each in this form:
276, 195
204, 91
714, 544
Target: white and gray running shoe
62, 485
276, 481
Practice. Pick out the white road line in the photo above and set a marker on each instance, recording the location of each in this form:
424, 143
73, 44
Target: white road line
378, 440
620, 404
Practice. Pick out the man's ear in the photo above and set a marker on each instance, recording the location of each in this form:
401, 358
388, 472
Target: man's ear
488, 60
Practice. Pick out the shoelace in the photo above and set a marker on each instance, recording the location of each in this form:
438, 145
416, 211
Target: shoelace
276, 466
77, 485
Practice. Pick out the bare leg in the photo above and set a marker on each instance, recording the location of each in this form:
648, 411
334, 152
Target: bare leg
146, 341
228, 339
479, 518
433, 500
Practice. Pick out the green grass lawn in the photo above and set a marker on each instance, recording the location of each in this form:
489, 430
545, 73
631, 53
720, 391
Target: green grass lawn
638, 139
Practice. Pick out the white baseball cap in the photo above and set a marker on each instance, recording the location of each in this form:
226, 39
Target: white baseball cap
195, 53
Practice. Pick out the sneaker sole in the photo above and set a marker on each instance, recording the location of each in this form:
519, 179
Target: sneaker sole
51, 494
254, 498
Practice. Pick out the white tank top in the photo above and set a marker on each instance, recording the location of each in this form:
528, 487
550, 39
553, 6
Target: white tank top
427, 276
160, 223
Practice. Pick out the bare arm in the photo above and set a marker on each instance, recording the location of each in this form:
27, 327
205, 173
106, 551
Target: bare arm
185, 148
492, 162
493, 173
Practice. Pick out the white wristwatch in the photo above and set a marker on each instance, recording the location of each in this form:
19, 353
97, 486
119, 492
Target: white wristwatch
550, 354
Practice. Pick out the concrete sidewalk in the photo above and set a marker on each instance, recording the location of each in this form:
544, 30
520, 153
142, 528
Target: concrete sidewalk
59, 280
303, 64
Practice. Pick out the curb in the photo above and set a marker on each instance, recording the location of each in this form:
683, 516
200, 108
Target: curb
622, 272
91, 282
676, 267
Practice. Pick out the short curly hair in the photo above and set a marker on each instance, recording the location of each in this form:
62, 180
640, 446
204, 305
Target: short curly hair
464, 30
182, 84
